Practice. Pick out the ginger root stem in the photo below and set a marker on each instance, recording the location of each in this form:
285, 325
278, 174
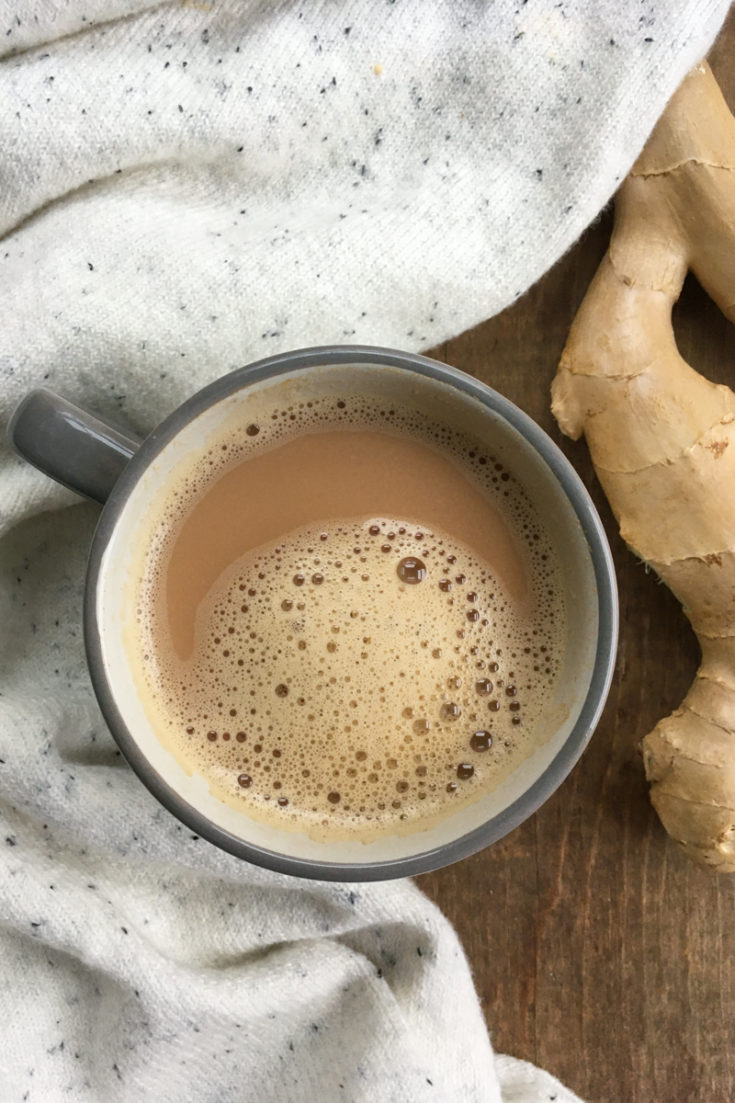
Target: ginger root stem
662, 437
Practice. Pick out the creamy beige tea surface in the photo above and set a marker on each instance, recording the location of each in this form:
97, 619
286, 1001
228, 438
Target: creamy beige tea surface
349, 621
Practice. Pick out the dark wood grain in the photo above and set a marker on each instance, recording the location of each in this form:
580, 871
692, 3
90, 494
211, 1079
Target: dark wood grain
598, 950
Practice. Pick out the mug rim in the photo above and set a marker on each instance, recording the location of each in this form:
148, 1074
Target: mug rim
601, 560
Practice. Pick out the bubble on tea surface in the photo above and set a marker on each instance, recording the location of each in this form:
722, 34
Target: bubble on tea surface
411, 570
358, 689
481, 740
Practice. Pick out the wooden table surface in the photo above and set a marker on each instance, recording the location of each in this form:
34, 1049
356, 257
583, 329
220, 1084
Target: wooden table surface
598, 950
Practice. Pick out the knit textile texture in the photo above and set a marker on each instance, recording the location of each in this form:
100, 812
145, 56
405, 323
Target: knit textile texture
185, 188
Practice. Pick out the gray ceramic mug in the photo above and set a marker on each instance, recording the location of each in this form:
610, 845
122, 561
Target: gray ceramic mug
125, 474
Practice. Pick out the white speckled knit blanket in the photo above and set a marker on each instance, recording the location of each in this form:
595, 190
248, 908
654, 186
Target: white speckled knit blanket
186, 187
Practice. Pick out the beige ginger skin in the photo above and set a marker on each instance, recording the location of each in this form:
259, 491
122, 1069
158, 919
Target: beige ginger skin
662, 437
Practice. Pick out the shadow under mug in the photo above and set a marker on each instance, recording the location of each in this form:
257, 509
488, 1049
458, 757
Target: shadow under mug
96, 460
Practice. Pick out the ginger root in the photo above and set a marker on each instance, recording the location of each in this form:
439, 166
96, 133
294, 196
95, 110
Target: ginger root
662, 437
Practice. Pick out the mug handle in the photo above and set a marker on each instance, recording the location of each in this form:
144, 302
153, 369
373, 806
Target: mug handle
70, 444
